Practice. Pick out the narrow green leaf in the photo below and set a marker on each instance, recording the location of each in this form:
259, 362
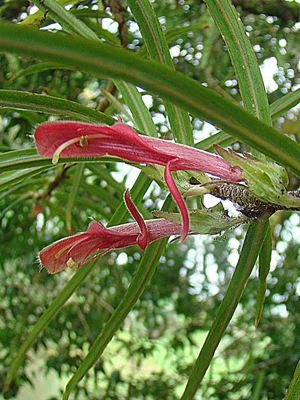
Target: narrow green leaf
20, 159
140, 113
277, 108
144, 273
293, 392
67, 20
249, 253
285, 103
157, 47
217, 138
102, 60
19, 100
35, 18
243, 58
8, 179
73, 194
264, 268
35, 69
209, 221
89, 13
260, 378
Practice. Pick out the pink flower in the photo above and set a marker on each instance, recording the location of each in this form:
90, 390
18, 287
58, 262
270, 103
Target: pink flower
75, 251
79, 139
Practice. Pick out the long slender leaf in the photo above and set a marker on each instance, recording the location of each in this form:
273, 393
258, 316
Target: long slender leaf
264, 268
243, 58
36, 68
249, 253
51, 105
35, 18
144, 273
140, 113
65, 19
254, 98
218, 138
285, 103
20, 159
99, 59
277, 108
7, 179
293, 392
177, 32
157, 47
259, 384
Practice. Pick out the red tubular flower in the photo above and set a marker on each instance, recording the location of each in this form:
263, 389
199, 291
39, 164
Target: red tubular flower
75, 251
79, 139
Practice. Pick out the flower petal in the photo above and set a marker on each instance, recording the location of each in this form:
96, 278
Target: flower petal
143, 237
178, 198
55, 256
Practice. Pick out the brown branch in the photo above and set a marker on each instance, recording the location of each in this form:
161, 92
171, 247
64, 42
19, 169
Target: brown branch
247, 202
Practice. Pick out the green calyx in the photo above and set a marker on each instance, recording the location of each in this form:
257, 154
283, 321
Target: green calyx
267, 181
210, 221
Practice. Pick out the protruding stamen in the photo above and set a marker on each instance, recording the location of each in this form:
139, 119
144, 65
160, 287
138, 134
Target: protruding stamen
143, 238
178, 199
83, 141
72, 264
62, 147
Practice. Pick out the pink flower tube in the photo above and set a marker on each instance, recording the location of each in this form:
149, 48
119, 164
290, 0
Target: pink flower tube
75, 251
79, 139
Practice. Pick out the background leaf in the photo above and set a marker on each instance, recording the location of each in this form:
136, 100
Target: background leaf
98, 59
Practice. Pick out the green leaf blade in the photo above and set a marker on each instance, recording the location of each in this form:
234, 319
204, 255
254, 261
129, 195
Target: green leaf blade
243, 58
100, 60
249, 253
20, 100
264, 264
158, 50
